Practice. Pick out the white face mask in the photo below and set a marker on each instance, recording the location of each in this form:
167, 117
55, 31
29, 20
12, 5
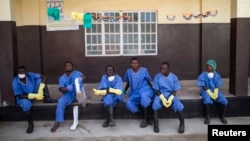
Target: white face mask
21, 76
210, 75
111, 78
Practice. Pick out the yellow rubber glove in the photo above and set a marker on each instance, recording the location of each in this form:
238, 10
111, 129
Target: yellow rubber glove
163, 100
210, 93
115, 91
40, 89
39, 97
170, 99
31, 96
35, 96
216, 91
100, 92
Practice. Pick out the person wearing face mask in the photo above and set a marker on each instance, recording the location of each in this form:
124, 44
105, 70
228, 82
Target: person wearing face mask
210, 82
27, 87
110, 87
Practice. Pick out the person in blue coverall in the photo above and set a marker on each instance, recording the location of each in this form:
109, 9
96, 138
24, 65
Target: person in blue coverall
138, 79
27, 87
67, 87
166, 85
210, 82
110, 87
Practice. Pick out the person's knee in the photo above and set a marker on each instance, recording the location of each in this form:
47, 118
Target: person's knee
131, 107
145, 101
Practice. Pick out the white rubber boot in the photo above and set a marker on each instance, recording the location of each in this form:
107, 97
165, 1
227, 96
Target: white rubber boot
75, 117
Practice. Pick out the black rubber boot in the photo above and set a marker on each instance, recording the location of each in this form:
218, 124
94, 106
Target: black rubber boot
106, 122
47, 98
111, 116
182, 124
156, 124
207, 110
150, 117
30, 122
222, 110
144, 122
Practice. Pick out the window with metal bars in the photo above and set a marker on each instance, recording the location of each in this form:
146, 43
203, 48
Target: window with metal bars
122, 33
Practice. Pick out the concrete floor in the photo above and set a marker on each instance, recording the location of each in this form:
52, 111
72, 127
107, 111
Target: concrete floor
125, 130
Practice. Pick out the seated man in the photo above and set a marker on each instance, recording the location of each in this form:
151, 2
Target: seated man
110, 88
138, 80
209, 82
166, 84
29, 86
68, 89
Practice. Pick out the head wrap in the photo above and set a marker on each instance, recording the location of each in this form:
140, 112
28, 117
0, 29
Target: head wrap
212, 63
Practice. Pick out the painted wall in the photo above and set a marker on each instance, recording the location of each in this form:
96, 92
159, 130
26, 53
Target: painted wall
30, 12
207, 37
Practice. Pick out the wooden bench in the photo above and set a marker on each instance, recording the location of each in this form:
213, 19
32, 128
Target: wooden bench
189, 90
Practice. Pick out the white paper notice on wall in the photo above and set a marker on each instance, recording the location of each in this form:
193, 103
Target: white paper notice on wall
62, 25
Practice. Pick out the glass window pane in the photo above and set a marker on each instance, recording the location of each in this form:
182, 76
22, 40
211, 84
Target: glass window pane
125, 38
153, 17
148, 29
153, 28
147, 17
143, 28
153, 38
148, 38
125, 28
130, 28
117, 28
99, 29
88, 39
143, 16
143, 38
107, 28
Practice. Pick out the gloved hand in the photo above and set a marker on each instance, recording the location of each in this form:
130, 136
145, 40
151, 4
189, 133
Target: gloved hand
210, 94
70, 88
124, 91
40, 89
163, 100
100, 92
115, 91
35, 96
216, 91
170, 99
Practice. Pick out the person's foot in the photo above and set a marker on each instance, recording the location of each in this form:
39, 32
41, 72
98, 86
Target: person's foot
105, 123
144, 124
30, 128
56, 125
207, 121
74, 125
223, 120
112, 123
181, 128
